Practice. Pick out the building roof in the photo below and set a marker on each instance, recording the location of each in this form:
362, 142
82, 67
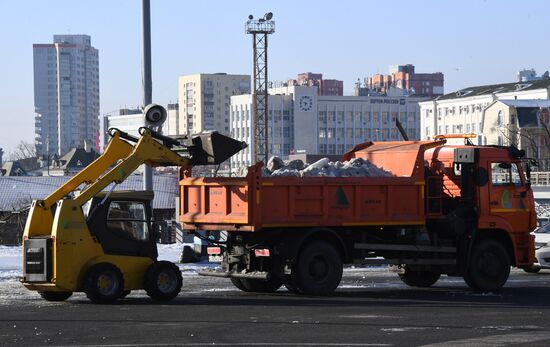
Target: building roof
496, 88
526, 103
77, 158
18, 192
12, 168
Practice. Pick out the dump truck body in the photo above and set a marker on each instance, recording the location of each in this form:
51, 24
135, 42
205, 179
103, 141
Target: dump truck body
444, 210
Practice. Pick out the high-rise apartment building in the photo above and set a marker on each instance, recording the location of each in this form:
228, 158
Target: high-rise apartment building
326, 87
204, 101
66, 94
404, 78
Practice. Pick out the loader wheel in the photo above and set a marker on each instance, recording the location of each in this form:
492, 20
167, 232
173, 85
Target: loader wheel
239, 284
260, 286
55, 296
163, 281
489, 267
104, 283
415, 278
318, 270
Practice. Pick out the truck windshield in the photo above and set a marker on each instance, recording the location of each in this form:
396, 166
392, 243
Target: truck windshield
129, 218
505, 174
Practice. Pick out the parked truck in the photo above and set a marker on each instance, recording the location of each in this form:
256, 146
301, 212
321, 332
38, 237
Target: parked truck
459, 210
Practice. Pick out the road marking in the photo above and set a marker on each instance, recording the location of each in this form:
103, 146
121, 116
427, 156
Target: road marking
245, 344
496, 340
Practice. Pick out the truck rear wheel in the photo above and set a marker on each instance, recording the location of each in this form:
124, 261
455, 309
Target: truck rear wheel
416, 278
238, 283
104, 283
163, 281
55, 296
489, 267
318, 270
260, 286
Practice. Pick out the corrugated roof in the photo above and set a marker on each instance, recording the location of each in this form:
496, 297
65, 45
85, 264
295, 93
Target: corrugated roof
496, 88
17, 191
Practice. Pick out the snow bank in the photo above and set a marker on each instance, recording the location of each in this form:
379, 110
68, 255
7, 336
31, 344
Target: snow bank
11, 260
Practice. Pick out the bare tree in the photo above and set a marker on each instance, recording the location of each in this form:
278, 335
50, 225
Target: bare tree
23, 150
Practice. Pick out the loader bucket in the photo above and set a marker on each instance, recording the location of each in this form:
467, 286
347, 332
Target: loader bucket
213, 148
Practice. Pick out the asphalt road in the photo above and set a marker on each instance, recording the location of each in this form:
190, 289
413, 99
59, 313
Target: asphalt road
371, 308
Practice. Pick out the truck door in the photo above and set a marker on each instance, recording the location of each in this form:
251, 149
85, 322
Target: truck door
508, 196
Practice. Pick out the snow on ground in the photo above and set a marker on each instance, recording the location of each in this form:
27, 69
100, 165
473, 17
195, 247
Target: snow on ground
11, 260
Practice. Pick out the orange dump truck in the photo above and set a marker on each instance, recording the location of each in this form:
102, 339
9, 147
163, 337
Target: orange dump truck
457, 210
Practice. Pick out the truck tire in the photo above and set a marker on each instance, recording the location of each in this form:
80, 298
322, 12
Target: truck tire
104, 283
260, 286
422, 279
239, 284
489, 267
55, 296
163, 281
318, 270
532, 269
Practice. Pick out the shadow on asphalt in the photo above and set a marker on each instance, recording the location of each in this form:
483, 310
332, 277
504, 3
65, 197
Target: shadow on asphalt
437, 296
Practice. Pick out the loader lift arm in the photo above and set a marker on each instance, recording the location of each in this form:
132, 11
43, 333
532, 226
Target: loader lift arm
150, 148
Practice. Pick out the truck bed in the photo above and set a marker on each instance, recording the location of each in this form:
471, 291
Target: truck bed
253, 203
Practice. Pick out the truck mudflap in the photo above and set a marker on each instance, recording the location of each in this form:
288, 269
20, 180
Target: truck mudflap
254, 275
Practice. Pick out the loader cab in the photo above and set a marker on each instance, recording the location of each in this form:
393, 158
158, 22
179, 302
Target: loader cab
122, 223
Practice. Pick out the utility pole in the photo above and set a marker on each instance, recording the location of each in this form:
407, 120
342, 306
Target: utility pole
260, 29
147, 80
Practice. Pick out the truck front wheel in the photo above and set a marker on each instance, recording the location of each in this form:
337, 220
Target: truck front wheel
318, 270
489, 267
415, 278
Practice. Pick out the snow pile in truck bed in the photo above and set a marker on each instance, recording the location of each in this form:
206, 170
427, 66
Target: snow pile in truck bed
356, 167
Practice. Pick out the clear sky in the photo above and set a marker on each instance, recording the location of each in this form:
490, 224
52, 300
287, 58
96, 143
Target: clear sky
472, 42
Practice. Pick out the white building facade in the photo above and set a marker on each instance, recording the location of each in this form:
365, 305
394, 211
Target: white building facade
204, 101
66, 94
324, 124
464, 111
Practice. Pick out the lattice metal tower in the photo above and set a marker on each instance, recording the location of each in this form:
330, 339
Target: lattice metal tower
260, 29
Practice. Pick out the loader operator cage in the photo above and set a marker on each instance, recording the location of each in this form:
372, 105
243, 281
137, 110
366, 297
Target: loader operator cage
128, 218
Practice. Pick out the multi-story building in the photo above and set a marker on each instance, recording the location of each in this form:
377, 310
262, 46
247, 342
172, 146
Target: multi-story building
66, 94
280, 126
326, 87
405, 78
324, 124
204, 100
464, 111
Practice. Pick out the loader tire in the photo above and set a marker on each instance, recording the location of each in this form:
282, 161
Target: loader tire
419, 278
55, 296
163, 281
260, 286
318, 270
489, 267
104, 283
